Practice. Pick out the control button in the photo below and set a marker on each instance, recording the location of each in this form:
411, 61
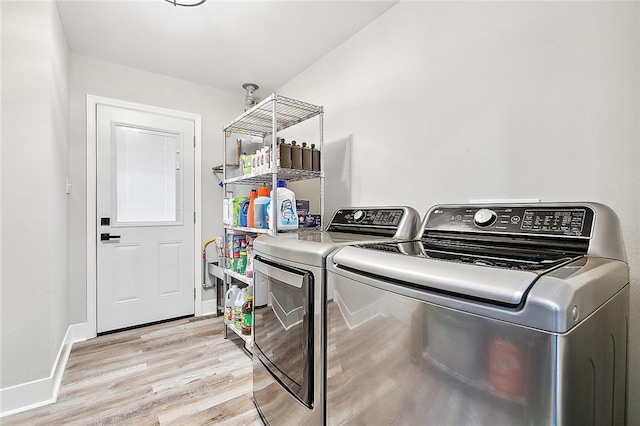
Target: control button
358, 216
515, 219
484, 217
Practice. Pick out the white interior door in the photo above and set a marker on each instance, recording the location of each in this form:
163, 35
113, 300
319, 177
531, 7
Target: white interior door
145, 217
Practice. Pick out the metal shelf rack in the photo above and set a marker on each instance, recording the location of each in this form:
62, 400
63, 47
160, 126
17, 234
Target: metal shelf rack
272, 115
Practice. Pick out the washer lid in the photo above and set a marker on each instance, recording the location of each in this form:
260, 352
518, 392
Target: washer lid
309, 248
501, 286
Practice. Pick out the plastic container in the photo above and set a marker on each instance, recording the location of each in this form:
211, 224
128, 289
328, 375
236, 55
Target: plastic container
247, 316
242, 263
287, 217
244, 210
242, 159
246, 164
252, 198
306, 157
237, 308
261, 160
229, 301
255, 162
249, 269
227, 209
315, 158
237, 201
267, 159
296, 156
259, 218
267, 212
285, 154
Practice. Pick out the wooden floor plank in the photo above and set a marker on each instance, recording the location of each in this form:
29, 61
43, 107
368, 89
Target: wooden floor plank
180, 372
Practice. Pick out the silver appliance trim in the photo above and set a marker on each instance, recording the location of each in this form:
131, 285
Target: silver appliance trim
289, 278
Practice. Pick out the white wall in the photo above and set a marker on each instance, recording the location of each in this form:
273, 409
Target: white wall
106, 79
34, 276
452, 101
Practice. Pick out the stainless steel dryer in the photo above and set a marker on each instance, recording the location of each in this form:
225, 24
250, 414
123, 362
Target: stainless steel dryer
498, 315
289, 333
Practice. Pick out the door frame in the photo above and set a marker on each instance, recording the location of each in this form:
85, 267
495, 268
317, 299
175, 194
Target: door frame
92, 238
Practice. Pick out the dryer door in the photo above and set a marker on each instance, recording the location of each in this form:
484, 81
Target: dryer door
283, 328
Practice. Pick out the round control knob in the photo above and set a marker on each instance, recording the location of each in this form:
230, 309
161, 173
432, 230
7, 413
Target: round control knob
484, 217
358, 216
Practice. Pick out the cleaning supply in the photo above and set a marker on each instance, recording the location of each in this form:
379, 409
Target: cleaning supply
236, 210
246, 164
229, 300
241, 161
238, 243
244, 210
267, 212
227, 208
242, 263
252, 198
247, 316
237, 308
255, 162
267, 160
287, 217
258, 208
249, 269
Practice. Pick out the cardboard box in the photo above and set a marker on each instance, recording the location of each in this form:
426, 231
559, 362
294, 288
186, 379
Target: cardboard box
302, 206
309, 220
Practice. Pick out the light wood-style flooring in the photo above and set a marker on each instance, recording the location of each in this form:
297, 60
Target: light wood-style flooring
179, 373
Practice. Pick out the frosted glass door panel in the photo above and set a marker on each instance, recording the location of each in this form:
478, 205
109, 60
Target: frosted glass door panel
147, 175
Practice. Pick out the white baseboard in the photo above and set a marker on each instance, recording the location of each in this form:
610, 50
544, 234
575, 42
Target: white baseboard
26, 396
209, 307
81, 332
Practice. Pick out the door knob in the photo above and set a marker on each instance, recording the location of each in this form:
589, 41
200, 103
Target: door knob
107, 237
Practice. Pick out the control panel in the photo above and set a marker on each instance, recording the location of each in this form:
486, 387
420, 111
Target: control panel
543, 220
368, 217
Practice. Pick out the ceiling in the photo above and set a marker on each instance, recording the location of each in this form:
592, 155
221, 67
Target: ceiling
221, 44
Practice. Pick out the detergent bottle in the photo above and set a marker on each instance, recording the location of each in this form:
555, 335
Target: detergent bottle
244, 210
237, 308
287, 216
259, 219
229, 299
252, 198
